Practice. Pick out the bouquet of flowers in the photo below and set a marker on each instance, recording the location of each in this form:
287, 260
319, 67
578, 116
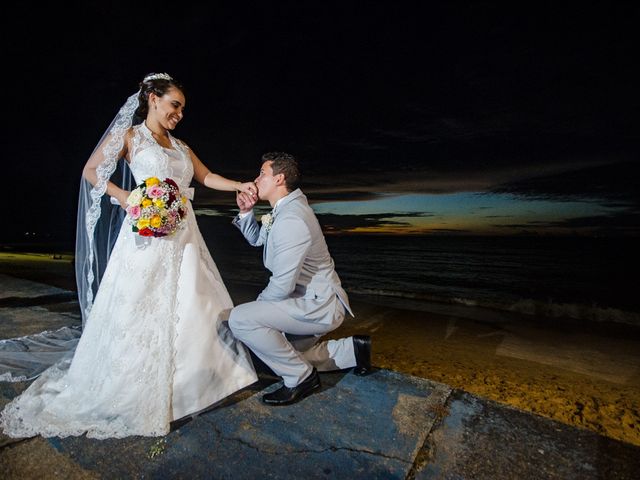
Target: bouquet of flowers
156, 208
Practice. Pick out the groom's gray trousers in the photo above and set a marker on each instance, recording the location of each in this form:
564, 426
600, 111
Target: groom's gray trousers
290, 346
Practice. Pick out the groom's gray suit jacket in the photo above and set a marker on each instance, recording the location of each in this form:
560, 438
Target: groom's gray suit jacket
304, 282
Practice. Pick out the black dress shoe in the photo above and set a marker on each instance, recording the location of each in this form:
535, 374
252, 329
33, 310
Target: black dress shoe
362, 349
287, 395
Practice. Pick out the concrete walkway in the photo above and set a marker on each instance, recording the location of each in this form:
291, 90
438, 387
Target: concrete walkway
385, 425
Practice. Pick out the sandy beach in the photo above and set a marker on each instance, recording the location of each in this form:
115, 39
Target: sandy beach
582, 374
586, 377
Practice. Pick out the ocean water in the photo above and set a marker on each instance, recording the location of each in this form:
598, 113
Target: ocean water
577, 277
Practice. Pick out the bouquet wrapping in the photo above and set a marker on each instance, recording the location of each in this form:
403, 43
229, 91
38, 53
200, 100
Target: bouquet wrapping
156, 208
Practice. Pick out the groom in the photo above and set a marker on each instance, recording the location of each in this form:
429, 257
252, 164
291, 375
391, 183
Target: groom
304, 298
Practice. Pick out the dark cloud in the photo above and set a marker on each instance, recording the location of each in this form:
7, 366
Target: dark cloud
331, 222
615, 184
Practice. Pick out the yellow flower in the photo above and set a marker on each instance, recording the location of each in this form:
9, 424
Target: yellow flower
158, 202
184, 200
152, 181
146, 203
142, 223
156, 221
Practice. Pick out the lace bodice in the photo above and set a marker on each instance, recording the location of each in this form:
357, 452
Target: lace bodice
149, 159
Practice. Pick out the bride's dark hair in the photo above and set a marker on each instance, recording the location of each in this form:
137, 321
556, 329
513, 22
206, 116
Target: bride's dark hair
158, 83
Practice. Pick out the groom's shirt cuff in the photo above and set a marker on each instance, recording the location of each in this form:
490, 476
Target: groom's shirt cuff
242, 215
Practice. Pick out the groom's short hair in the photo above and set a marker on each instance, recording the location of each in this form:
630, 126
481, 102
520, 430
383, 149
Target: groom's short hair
286, 164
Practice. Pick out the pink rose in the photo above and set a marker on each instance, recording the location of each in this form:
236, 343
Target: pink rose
134, 211
155, 191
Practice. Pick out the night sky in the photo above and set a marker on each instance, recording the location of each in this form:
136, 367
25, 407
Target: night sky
408, 118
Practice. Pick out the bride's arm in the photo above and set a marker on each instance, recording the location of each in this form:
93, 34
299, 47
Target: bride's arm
89, 172
212, 180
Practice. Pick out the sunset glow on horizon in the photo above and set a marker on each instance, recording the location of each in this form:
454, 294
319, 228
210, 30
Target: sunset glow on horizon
466, 213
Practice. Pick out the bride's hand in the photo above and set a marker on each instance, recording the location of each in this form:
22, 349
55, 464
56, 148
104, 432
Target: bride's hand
121, 197
249, 188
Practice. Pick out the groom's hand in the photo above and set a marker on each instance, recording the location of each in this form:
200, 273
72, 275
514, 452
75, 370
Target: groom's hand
245, 202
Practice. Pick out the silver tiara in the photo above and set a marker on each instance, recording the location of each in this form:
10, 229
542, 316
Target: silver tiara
156, 76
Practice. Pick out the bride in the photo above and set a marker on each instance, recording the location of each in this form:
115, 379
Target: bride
154, 346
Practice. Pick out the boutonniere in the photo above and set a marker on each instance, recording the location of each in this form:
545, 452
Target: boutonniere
267, 221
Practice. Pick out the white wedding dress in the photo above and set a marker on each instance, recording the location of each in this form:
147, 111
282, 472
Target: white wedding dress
155, 346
